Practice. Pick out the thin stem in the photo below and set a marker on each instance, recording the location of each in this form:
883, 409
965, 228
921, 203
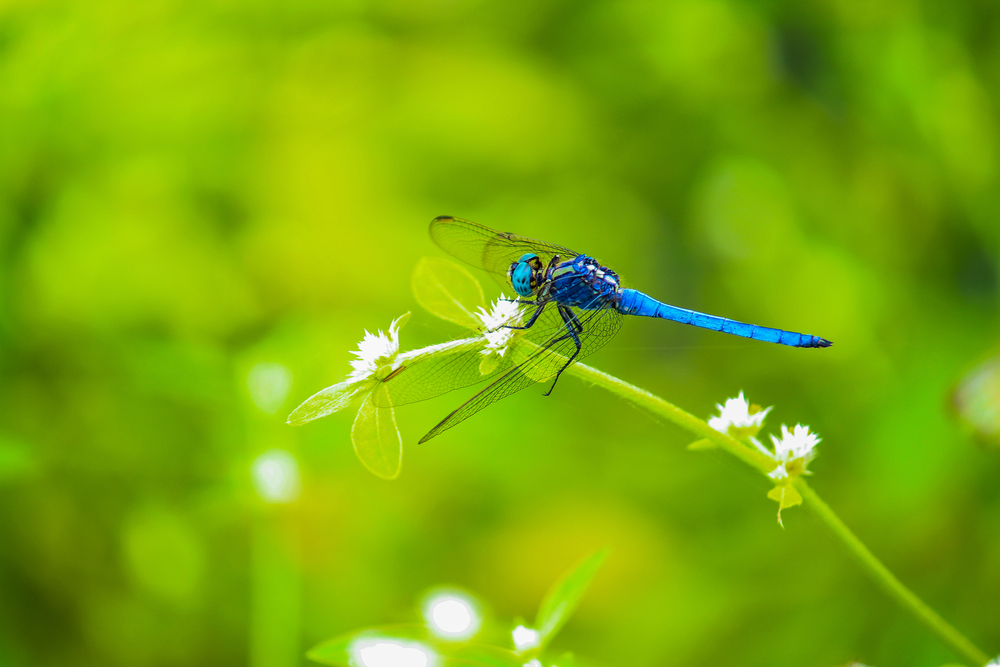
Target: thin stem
904, 596
683, 419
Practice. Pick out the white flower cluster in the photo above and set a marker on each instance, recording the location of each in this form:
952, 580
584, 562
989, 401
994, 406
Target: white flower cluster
498, 337
374, 351
736, 413
794, 449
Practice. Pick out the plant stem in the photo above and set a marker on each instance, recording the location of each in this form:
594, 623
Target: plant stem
904, 596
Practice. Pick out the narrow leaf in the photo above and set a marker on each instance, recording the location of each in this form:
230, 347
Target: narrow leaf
376, 438
324, 402
447, 290
562, 598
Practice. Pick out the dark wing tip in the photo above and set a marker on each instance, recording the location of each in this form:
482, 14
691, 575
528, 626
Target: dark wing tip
444, 218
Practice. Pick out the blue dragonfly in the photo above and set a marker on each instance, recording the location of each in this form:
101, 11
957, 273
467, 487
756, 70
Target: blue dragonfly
576, 305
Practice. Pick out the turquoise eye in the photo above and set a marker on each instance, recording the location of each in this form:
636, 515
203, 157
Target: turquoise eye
520, 278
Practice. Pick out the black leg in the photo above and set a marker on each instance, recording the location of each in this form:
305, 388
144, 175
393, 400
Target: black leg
531, 322
570, 317
571, 325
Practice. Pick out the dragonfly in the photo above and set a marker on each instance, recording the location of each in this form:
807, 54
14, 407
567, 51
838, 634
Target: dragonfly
573, 307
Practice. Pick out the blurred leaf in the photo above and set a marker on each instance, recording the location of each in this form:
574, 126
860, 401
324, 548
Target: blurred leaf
324, 402
565, 594
447, 290
376, 438
342, 650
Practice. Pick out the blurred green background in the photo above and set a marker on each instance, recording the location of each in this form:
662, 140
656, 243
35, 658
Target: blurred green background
188, 190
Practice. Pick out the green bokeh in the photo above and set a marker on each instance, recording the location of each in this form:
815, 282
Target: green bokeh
188, 190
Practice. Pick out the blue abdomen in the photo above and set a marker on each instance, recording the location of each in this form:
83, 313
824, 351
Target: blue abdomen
633, 302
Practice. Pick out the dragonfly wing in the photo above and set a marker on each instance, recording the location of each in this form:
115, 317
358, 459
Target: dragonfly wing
487, 248
437, 370
539, 361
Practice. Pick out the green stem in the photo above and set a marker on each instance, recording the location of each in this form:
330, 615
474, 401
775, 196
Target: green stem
904, 596
910, 602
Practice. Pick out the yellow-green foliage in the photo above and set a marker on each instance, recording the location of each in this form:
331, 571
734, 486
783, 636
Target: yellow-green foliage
191, 189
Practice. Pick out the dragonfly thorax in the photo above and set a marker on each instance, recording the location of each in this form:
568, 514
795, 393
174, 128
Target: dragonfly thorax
525, 275
582, 282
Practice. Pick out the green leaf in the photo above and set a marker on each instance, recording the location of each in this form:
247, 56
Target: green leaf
562, 598
786, 495
447, 290
342, 651
324, 402
376, 438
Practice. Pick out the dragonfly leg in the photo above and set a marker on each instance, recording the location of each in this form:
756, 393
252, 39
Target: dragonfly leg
575, 329
570, 318
531, 322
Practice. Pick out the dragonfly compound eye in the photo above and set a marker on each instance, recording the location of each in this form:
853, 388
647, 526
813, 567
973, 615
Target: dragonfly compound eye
522, 274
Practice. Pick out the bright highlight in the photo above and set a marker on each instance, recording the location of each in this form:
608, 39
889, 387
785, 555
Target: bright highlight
391, 653
451, 615
525, 638
276, 476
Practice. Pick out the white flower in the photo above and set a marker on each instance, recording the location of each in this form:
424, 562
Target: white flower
795, 446
736, 414
995, 662
778, 473
525, 638
377, 357
497, 336
375, 351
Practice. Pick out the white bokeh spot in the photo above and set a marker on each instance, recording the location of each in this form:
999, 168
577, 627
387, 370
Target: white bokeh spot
391, 653
451, 615
269, 385
525, 638
276, 476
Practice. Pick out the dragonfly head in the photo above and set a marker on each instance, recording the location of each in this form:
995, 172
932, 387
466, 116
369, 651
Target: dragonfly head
524, 274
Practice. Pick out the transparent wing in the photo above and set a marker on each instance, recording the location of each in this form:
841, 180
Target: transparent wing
460, 363
439, 369
489, 249
538, 362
